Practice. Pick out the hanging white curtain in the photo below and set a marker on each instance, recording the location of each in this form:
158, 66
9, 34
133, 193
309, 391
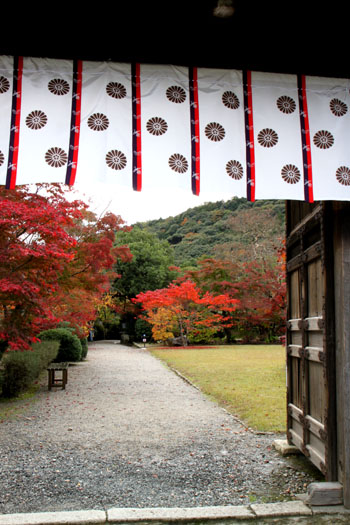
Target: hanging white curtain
253, 134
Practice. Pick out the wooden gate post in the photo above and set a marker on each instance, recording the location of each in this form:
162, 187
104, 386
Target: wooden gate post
342, 321
311, 387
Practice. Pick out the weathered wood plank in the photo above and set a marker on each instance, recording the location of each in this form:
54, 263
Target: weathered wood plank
293, 324
317, 395
294, 350
294, 294
315, 323
316, 458
330, 418
298, 215
296, 438
316, 427
310, 335
295, 411
315, 291
315, 354
342, 316
295, 263
313, 252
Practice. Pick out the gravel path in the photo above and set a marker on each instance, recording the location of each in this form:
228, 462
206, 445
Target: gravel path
128, 432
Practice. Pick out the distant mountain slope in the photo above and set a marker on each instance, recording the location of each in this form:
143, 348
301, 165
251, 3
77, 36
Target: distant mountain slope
235, 229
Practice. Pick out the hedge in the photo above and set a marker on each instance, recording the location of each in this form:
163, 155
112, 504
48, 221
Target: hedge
21, 369
70, 347
82, 339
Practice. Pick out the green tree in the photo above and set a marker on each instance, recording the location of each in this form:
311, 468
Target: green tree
235, 230
149, 269
149, 266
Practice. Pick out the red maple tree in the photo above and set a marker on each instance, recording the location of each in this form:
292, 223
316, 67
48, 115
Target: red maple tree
260, 288
183, 309
54, 261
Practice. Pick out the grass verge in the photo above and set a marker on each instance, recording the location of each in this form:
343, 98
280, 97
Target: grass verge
249, 381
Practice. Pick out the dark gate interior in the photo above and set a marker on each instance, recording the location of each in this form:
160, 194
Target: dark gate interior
310, 334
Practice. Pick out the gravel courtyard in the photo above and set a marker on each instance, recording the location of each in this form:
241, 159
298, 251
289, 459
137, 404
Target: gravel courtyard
128, 432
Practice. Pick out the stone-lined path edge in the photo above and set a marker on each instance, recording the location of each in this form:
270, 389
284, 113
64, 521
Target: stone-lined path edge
290, 512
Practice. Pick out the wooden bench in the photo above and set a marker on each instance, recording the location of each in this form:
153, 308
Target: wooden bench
57, 381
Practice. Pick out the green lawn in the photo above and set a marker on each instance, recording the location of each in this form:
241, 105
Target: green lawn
248, 380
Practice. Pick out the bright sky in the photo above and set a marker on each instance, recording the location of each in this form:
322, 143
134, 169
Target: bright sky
135, 206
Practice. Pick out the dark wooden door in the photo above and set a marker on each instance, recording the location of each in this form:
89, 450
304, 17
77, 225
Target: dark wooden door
310, 334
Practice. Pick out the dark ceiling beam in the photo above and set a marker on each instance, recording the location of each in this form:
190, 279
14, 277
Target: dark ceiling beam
276, 36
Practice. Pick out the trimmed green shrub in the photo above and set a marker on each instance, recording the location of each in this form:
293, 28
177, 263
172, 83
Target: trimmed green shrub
70, 346
82, 339
21, 369
84, 347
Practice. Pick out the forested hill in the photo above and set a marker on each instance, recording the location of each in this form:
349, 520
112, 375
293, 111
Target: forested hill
234, 229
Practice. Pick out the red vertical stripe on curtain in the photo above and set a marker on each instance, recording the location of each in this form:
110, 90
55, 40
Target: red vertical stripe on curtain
136, 119
249, 134
75, 122
15, 123
305, 139
195, 133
